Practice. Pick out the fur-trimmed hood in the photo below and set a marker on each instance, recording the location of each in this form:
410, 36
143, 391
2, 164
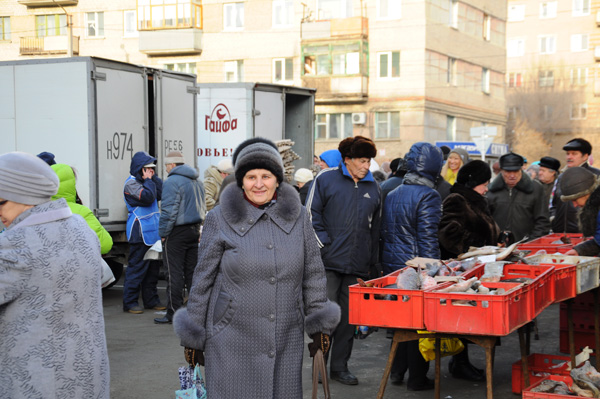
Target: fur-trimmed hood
237, 212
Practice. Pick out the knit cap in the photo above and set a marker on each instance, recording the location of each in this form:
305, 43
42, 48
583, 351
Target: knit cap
577, 182
257, 153
26, 179
225, 166
303, 175
174, 157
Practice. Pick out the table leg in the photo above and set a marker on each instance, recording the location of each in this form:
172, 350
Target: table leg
388, 366
438, 364
596, 326
489, 362
524, 361
571, 330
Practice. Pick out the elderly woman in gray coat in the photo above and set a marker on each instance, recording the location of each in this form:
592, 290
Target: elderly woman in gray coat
52, 342
258, 286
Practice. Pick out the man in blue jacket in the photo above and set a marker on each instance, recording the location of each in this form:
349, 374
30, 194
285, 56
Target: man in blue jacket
181, 214
142, 192
345, 206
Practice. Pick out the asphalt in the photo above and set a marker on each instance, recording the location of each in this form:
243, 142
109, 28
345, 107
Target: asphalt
144, 358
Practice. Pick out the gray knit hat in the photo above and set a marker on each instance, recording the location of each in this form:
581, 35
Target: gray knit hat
26, 179
576, 182
257, 153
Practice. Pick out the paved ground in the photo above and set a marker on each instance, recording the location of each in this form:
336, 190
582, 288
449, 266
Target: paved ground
144, 358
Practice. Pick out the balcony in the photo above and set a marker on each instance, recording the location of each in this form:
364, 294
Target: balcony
48, 3
171, 41
336, 89
335, 28
48, 45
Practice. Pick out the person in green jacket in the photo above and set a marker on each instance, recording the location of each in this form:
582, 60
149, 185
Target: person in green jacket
68, 191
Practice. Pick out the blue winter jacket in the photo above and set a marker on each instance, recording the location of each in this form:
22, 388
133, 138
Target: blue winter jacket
182, 200
141, 197
346, 218
412, 211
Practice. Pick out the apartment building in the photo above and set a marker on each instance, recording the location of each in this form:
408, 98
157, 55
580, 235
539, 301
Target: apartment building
397, 71
553, 70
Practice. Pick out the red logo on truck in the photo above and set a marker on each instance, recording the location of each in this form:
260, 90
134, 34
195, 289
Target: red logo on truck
220, 120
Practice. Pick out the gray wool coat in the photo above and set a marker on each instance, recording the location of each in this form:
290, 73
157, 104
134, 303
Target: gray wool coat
52, 342
259, 284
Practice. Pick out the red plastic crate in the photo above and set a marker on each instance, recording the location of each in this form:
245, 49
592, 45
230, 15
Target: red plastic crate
548, 243
540, 366
492, 314
527, 394
581, 339
583, 320
403, 310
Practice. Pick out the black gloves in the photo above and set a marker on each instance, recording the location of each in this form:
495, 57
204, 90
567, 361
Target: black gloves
194, 356
320, 341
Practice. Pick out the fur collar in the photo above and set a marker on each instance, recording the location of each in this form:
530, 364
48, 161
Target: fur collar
589, 214
241, 215
474, 199
525, 185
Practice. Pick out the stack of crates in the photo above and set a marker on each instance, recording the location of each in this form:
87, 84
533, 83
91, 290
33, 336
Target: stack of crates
583, 321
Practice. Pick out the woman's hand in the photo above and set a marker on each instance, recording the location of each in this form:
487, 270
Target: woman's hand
194, 356
320, 341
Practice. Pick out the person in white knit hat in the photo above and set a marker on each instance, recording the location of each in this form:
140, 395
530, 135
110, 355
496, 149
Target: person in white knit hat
52, 324
303, 178
213, 178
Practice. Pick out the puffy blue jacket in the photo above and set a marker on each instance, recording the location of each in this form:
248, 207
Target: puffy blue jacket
412, 211
346, 218
182, 200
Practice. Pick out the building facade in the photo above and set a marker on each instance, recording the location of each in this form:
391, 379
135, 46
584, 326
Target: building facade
553, 72
394, 70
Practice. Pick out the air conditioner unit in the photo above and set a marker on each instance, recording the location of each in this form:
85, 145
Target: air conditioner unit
359, 118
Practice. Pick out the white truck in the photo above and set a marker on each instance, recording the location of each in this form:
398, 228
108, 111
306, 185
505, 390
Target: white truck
229, 113
94, 114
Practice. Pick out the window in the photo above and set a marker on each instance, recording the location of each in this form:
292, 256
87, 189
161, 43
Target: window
233, 16
515, 47
329, 9
515, 79
129, 25
516, 12
450, 128
387, 125
578, 111
547, 44
487, 27
94, 24
186, 67
513, 113
546, 78
548, 9
169, 14
234, 71
283, 13
580, 42
51, 25
485, 80
388, 9
333, 126
283, 70
335, 59
4, 28
579, 76
451, 74
389, 65
581, 7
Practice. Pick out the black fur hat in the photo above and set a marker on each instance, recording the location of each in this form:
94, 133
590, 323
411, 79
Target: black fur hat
357, 147
474, 173
257, 153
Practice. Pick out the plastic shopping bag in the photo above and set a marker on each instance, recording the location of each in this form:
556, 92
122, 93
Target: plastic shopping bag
192, 384
448, 347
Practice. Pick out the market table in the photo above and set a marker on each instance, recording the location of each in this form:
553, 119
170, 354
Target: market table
486, 342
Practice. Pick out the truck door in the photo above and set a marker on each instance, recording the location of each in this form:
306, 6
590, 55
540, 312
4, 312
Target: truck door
269, 120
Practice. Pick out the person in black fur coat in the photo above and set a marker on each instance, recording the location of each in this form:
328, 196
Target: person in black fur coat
582, 187
467, 222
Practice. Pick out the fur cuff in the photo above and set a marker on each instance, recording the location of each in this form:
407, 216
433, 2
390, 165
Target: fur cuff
323, 320
191, 334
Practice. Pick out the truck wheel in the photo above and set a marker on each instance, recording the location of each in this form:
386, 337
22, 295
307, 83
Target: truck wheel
117, 270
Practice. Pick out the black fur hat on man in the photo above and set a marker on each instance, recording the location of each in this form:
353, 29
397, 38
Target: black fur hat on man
357, 147
257, 153
474, 173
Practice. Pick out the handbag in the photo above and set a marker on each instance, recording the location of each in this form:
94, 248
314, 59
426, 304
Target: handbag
320, 368
192, 384
107, 275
